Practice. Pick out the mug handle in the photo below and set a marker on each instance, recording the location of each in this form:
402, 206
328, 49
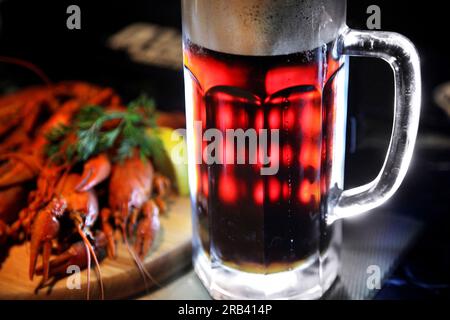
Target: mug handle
402, 56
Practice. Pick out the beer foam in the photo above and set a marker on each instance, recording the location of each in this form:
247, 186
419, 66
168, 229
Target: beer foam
262, 27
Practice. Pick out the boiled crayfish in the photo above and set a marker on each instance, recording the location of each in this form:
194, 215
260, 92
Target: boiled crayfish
57, 203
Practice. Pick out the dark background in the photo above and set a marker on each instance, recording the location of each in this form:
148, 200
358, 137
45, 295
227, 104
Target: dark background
36, 31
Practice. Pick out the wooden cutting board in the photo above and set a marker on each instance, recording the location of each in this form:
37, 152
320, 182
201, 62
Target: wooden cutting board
171, 253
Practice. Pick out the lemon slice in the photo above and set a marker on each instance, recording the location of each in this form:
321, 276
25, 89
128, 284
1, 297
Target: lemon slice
175, 163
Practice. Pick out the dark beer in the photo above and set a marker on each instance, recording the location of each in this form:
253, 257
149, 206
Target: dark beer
253, 222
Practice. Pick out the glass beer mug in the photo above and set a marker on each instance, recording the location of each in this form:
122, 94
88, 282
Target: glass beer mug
267, 212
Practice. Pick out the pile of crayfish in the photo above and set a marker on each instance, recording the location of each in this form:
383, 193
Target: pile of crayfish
72, 198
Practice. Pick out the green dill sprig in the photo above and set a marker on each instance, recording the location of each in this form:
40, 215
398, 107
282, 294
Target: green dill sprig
90, 135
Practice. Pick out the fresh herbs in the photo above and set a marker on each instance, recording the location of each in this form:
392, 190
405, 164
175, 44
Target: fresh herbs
96, 130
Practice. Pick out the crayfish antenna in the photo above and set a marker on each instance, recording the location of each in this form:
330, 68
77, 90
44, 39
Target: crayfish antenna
88, 257
28, 65
97, 264
138, 261
131, 252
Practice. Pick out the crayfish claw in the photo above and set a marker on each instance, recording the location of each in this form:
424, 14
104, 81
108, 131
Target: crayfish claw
18, 169
75, 255
44, 229
55, 264
146, 229
95, 171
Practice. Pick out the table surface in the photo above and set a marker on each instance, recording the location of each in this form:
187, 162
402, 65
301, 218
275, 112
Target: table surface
380, 239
